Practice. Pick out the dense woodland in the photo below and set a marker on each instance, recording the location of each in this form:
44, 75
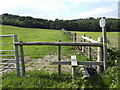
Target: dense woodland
86, 24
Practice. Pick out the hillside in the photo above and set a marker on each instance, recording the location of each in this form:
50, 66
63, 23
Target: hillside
31, 35
87, 24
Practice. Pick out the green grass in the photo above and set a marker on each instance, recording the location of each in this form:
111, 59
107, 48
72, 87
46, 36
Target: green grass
36, 79
32, 35
112, 37
42, 79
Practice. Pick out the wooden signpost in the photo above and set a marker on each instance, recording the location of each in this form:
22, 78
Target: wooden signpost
103, 25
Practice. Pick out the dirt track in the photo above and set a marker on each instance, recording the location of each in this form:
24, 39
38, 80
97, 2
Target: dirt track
43, 64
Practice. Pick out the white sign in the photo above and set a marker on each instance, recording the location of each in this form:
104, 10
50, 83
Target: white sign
73, 57
102, 22
73, 61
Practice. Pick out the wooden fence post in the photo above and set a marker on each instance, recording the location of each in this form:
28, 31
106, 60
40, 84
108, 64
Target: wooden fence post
89, 51
104, 47
74, 66
59, 58
83, 47
74, 73
100, 56
74, 37
22, 59
103, 25
16, 56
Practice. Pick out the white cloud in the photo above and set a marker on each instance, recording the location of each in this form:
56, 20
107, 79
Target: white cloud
52, 9
80, 1
32, 7
54, 6
107, 11
85, 1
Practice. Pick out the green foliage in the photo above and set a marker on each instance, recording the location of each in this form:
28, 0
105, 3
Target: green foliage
113, 56
88, 24
111, 77
41, 79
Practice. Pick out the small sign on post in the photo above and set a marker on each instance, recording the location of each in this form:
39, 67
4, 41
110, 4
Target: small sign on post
102, 22
103, 25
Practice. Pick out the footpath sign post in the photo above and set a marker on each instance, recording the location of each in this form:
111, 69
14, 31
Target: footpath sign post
103, 25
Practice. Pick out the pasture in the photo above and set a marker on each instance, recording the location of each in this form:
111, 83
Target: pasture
112, 37
42, 79
30, 35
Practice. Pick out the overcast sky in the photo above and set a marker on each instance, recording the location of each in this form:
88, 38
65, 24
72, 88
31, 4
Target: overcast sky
61, 9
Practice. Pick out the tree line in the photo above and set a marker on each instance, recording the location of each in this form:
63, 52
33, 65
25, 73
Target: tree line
86, 24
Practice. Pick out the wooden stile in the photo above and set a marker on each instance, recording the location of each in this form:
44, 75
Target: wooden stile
78, 62
99, 56
84, 72
74, 65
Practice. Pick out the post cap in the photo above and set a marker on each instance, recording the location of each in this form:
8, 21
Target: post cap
73, 57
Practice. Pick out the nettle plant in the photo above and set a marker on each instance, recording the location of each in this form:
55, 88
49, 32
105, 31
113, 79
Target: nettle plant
113, 56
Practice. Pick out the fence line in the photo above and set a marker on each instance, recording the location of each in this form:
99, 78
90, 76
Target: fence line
90, 51
84, 44
92, 43
89, 39
59, 62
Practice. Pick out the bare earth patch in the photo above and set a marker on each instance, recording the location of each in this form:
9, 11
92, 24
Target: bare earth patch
43, 64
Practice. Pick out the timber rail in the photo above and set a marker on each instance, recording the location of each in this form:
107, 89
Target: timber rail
59, 62
60, 43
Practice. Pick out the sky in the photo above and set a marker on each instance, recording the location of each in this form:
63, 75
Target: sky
61, 9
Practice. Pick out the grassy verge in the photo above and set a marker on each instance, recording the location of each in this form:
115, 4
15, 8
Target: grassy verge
36, 79
42, 79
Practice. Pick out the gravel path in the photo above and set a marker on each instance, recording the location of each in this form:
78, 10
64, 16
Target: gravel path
42, 64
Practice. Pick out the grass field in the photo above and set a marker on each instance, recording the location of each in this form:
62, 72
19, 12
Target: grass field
42, 79
32, 35
112, 37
